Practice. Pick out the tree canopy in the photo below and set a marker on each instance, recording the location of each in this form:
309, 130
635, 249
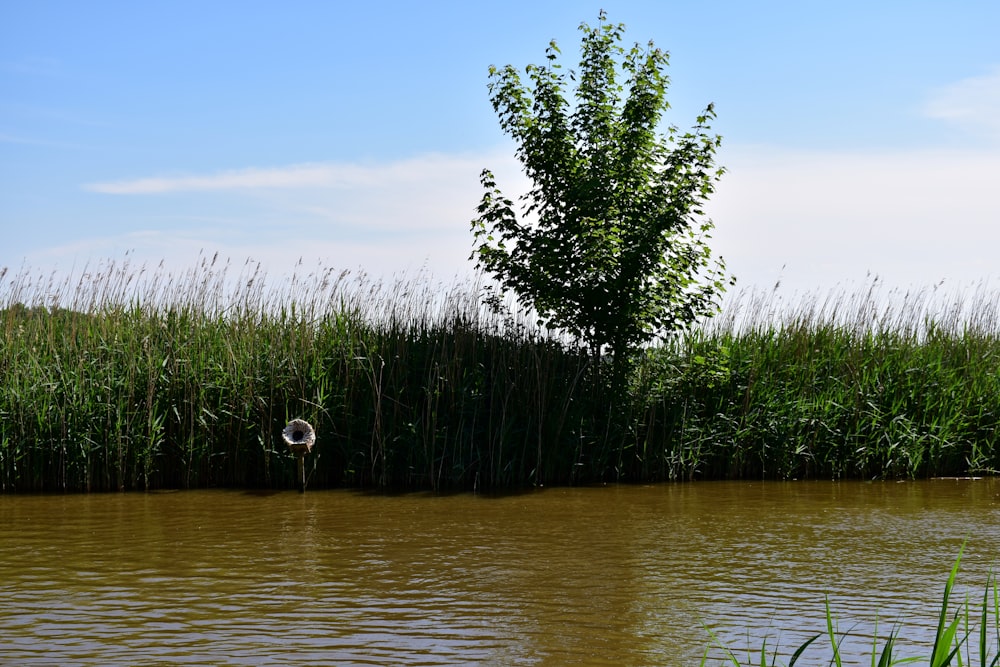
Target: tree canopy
610, 244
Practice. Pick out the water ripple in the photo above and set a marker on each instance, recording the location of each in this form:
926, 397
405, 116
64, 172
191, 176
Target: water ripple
567, 576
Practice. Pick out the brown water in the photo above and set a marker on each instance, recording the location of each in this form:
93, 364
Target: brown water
597, 576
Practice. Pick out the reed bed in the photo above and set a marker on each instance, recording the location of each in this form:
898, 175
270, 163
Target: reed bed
125, 377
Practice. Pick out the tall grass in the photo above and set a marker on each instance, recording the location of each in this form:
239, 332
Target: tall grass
851, 385
125, 377
133, 379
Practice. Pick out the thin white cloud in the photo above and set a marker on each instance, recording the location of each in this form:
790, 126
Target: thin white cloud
297, 176
381, 218
811, 219
424, 195
973, 103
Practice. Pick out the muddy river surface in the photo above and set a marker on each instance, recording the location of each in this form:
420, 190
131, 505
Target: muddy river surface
633, 575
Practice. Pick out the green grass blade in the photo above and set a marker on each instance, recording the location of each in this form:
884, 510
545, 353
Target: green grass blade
720, 645
984, 620
833, 639
996, 619
885, 659
801, 649
940, 655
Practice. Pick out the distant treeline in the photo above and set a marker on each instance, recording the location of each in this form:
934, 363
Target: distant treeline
126, 381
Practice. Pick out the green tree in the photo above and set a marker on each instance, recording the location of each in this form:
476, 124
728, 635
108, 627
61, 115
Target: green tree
611, 244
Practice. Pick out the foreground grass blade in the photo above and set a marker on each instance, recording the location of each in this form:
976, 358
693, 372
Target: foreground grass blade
801, 649
833, 639
718, 643
943, 652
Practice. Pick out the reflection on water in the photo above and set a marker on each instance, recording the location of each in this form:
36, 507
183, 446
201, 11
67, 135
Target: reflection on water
619, 575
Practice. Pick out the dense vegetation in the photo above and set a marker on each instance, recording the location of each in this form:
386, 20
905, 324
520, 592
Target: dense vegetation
128, 379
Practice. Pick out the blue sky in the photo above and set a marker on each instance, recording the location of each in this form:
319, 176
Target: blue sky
860, 137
